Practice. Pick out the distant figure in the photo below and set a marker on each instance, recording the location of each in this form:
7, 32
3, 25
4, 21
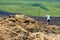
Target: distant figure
48, 19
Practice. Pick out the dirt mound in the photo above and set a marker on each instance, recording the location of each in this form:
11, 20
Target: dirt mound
21, 27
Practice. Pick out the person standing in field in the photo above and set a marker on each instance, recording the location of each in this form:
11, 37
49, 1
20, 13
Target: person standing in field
48, 19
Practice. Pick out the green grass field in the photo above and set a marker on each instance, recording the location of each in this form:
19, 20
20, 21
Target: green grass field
35, 8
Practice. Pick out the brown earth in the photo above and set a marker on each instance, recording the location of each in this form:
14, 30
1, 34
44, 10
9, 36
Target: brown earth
21, 27
53, 20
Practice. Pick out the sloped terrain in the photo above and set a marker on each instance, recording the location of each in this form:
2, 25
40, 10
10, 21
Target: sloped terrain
21, 27
53, 20
30, 7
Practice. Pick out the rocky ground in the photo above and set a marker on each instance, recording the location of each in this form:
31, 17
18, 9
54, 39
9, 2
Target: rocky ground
21, 27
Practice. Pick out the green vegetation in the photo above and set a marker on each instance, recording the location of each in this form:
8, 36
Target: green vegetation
31, 7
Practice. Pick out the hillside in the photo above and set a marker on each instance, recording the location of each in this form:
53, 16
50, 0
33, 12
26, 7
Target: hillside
34, 0
31, 7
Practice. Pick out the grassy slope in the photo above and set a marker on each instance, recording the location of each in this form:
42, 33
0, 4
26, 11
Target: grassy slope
25, 8
33, 0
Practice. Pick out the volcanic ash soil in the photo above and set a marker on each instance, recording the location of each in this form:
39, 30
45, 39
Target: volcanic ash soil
21, 27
